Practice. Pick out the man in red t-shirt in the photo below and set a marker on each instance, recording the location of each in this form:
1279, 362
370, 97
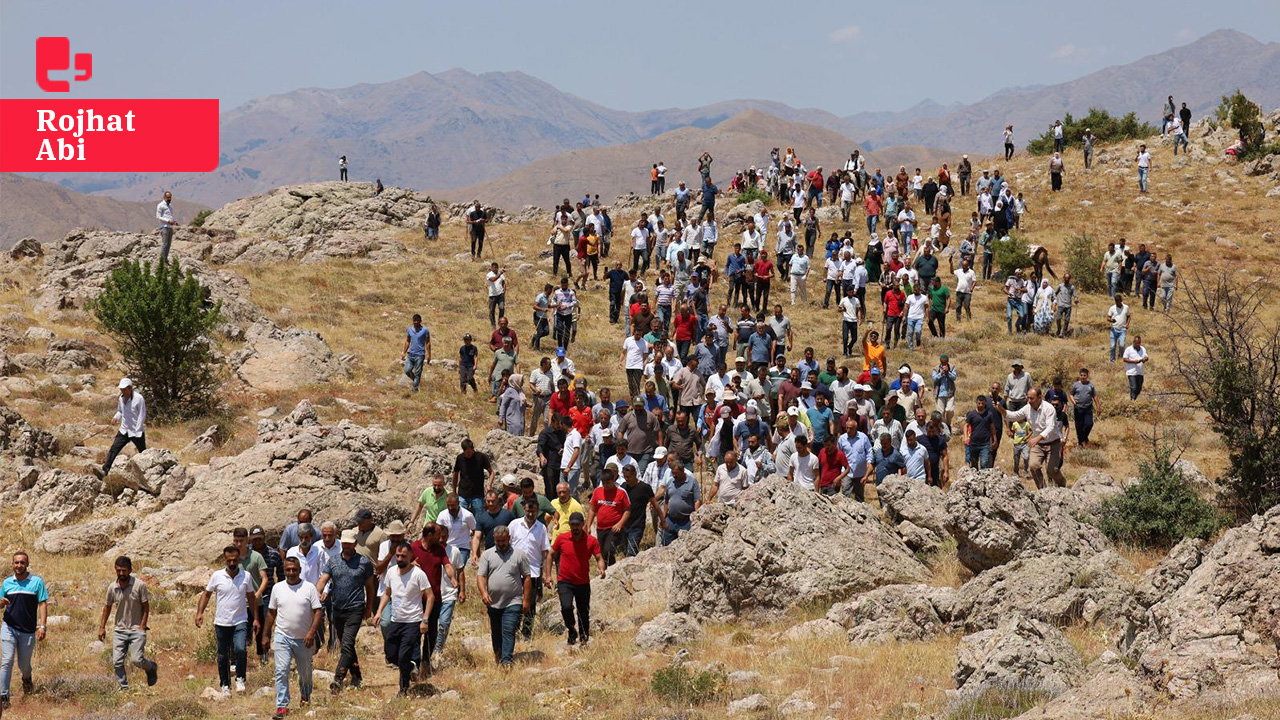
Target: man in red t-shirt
610, 507
686, 324
816, 184
572, 553
832, 465
763, 274
429, 553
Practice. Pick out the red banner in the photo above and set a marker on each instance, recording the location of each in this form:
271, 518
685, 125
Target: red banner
108, 135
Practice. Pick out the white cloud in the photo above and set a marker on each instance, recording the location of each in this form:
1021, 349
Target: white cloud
1065, 52
848, 33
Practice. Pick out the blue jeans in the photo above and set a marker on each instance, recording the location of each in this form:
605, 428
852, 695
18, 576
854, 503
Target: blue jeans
16, 646
906, 239
634, 534
978, 457
914, 327
572, 478
1012, 306
1142, 178
1113, 282
873, 221
1117, 342
289, 650
502, 632
413, 369
674, 528
232, 640
474, 504
446, 619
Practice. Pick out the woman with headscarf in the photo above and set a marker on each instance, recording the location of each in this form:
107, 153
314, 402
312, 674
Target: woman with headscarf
512, 405
1055, 171
1044, 306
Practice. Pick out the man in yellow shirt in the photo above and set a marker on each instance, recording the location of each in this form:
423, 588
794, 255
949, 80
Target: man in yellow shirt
566, 505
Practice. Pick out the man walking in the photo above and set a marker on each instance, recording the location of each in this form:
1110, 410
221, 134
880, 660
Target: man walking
506, 588
496, 281
1144, 166
1084, 399
417, 350
347, 584
25, 600
293, 619
232, 619
572, 553
476, 218
1118, 319
1167, 273
131, 413
1045, 443
128, 595
164, 213
1135, 360
1064, 299
408, 592
529, 535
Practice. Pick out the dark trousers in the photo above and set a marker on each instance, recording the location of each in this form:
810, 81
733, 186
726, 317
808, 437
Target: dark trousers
527, 618
578, 596
260, 635
738, 290
503, 623
1008, 150
1055, 181
342, 174
849, 336
232, 642
1135, 386
615, 304
118, 444
639, 261
1084, 423
497, 303
542, 328
401, 640
430, 639
634, 378
964, 184
557, 252
346, 623
564, 330
941, 319
762, 294
611, 541
477, 242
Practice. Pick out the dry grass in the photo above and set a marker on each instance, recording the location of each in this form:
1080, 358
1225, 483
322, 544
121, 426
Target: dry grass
363, 309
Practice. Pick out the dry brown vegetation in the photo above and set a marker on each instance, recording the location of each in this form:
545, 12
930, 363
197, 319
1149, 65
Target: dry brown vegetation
362, 309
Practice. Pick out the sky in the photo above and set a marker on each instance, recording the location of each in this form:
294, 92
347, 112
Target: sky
844, 57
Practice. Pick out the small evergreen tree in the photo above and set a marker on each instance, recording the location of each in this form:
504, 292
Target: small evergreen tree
1245, 116
162, 322
1160, 509
1011, 254
1084, 262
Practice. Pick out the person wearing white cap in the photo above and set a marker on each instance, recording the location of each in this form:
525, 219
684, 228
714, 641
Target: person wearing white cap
131, 413
351, 597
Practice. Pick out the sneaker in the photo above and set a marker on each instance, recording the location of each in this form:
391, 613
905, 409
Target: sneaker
335, 686
281, 713
152, 672
585, 638
4, 702
97, 471
226, 691
573, 638
413, 671
239, 685
27, 686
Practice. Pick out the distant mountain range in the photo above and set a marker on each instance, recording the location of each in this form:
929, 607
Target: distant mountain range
461, 130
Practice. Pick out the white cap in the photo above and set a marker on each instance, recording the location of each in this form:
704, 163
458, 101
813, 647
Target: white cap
794, 412
659, 452
904, 369
806, 385
125, 382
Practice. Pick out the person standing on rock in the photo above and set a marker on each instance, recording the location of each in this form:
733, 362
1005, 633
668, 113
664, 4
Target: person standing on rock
476, 218
131, 413
164, 213
347, 585
293, 620
233, 618
506, 588
128, 595
1045, 443
408, 594
417, 350
25, 601
342, 168
572, 553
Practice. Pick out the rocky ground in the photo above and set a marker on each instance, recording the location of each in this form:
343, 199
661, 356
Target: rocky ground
924, 604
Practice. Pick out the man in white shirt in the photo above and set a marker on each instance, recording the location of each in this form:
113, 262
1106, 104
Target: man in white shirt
1045, 443
710, 235
571, 459
966, 281
632, 358
529, 535
131, 413
1144, 166
232, 619
835, 272
164, 213
850, 314
804, 468
408, 593
1118, 320
459, 523
917, 306
294, 615
731, 480
311, 558
799, 272
1135, 359
497, 282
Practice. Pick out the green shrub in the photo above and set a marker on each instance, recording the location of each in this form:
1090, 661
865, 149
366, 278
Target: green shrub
1106, 129
198, 220
678, 684
1010, 254
1000, 701
207, 648
1084, 262
752, 193
1160, 509
162, 322
1245, 116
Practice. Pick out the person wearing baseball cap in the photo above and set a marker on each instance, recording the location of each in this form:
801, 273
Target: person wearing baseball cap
131, 413
347, 587
368, 535
572, 552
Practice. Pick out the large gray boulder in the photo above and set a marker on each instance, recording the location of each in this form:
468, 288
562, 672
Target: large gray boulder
157, 472
995, 519
321, 208
894, 613
1218, 630
1110, 690
308, 249
59, 497
86, 538
781, 547
1019, 652
20, 438
513, 454
917, 509
668, 629
276, 359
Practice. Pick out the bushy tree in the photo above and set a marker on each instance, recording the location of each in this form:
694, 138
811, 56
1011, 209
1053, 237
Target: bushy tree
162, 322
1010, 254
1084, 262
1106, 127
1245, 116
1159, 510
1228, 355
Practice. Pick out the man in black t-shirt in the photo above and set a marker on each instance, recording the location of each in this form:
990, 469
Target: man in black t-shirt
639, 494
980, 435
469, 481
476, 218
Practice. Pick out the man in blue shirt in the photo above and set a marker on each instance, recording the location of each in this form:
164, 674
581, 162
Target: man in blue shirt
25, 600
886, 459
617, 278
417, 349
760, 346
821, 420
856, 447
736, 268
709, 192
751, 425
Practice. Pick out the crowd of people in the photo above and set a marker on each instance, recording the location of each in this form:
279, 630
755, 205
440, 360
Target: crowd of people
718, 396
